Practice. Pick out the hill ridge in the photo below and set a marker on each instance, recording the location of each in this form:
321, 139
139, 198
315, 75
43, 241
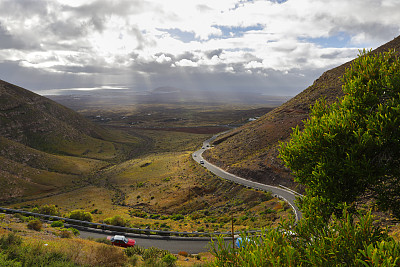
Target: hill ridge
251, 150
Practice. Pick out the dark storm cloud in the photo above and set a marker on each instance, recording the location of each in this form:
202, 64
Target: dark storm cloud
8, 41
24, 8
71, 28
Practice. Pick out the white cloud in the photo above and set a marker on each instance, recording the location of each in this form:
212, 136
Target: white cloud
137, 38
186, 63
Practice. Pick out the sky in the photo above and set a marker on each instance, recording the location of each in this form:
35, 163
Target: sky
273, 47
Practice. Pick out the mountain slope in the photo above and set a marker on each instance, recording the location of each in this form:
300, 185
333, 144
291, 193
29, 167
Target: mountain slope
46, 147
251, 150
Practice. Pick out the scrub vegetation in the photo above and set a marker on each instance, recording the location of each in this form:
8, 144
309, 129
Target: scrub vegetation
134, 168
345, 151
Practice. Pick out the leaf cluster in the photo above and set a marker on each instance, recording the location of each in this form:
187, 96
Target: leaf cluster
313, 241
353, 146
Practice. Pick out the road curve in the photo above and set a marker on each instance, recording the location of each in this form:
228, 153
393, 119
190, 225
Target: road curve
288, 196
192, 246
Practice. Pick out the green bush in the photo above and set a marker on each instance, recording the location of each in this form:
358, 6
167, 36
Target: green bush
23, 218
352, 147
116, 220
136, 250
74, 231
80, 215
138, 213
57, 224
152, 254
49, 210
169, 259
35, 225
177, 217
313, 241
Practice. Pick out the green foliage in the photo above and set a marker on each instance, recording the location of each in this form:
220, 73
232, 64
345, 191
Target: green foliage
64, 233
352, 146
136, 250
169, 259
345, 241
116, 220
177, 217
23, 218
16, 253
9, 240
151, 255
57, 224
138, 213
74, 231
47, 209
80, 215
35, 225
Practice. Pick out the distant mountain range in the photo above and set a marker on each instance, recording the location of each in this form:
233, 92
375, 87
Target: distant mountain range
251, 150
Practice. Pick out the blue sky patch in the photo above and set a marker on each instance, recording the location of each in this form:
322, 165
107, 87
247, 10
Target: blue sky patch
184, 36
229, 32
338, 41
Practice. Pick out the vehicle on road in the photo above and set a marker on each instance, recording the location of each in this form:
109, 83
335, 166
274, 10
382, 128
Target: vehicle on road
203, 147
241, 242
201, 161
121, 241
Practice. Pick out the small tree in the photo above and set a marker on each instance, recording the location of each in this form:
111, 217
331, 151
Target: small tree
352, 146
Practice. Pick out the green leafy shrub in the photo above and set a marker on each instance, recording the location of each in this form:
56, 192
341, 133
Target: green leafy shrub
352, 146
313, 241
138, 213
169, 259
177, 217
74, 231
35, 225
152, 254
116, 220
49, 210
57, 224
136, 250
80, 215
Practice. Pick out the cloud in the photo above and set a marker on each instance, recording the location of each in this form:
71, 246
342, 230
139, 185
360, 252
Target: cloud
252, 45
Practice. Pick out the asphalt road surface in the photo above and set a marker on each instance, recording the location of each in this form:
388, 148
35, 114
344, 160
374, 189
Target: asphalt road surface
288, 196
192, 246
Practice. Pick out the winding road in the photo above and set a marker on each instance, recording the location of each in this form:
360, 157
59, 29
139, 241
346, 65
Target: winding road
286, 194
196, 245
193, 245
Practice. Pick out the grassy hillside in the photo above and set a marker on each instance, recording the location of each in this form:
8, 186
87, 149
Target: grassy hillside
46, 147
41, 123
251, 150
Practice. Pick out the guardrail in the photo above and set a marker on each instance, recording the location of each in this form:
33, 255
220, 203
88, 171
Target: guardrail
102, 226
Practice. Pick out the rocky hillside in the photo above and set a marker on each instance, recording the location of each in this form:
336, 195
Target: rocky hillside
251, 150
